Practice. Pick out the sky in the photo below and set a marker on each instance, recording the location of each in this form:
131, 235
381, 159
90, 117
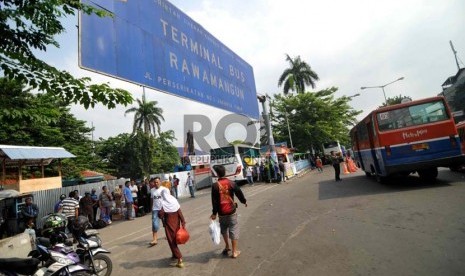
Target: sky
349, 44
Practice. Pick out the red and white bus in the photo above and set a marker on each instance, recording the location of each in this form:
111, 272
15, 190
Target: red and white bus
417, 136
235, 159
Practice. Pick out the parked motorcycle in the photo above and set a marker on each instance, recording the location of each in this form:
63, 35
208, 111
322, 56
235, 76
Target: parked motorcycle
15, 266
59, 263
89, 249
54, 263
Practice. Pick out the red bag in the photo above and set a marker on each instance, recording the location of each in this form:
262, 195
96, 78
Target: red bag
182, 236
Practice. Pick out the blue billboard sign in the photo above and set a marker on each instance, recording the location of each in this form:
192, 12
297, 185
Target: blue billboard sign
154, 44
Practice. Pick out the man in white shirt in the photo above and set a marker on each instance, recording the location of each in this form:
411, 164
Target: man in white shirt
190, 183
134, 191
249, 175
156, 203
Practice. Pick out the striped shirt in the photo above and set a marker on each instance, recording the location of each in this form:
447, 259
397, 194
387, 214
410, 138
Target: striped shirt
69, 206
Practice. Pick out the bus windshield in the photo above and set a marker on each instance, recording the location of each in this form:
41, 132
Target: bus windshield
249, 152
222, 153
412, 116
330, 145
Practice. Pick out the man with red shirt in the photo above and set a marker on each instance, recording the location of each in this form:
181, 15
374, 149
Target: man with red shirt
223, 192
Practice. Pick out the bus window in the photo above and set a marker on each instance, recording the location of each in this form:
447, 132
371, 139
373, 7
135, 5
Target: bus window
222, 153
412, 115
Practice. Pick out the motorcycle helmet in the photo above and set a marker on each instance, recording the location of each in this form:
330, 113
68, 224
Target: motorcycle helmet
80, 225
54, 223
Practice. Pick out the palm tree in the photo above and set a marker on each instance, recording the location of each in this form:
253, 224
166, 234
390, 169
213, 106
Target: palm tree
297, 76
147, 116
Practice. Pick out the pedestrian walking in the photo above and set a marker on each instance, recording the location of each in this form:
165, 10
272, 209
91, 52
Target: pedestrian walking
223, 204
105, 203
134, 191
249, 174
94, 196
59, 205
257, 171
282, 170
175, 186
156, 203
336, 160
172, 218
319, 164
190, 183
128, 200
86, 206
70, 208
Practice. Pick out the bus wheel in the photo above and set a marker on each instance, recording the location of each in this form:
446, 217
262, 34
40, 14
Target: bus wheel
404, 174
381, 179
429, 174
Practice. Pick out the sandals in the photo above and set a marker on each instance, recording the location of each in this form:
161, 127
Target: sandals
225, 252
236, 254
153, 243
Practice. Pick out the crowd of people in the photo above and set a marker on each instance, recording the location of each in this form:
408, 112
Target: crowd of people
266, 171
122, 202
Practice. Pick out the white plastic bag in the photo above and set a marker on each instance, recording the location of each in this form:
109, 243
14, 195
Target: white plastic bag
215, 231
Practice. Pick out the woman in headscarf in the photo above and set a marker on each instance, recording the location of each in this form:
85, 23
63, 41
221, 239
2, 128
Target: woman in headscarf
172, 218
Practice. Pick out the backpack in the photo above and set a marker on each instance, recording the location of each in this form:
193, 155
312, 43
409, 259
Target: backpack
227, 205
99, 224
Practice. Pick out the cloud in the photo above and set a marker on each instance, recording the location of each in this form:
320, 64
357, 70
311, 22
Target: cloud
348, 43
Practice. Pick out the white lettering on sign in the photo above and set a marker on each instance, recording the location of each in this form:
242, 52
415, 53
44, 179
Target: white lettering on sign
384, 116
194, 46
197, 160
418, 133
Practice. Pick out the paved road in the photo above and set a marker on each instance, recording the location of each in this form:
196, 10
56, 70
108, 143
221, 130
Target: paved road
315, 226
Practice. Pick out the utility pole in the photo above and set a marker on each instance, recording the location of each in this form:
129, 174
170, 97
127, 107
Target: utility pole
455, 54
266, 118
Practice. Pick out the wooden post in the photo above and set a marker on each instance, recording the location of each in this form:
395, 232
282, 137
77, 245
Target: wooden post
3, 172
42, 166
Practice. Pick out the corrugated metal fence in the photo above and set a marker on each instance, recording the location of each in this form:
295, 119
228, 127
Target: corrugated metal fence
47, 199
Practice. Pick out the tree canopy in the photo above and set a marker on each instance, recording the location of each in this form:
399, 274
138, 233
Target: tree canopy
43, 120
29, 26
297, 76
147, 116
317, 118
395, 100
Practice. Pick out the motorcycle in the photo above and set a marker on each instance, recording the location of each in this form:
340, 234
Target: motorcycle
88, 250
53, 263
92, 254
59, 263
15, 266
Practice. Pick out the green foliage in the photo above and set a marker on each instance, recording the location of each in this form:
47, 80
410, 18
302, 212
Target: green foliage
297, 76
147, 116
318, 118
395, 100
166, 155
43, 120
116, 153
138, 155
27, 26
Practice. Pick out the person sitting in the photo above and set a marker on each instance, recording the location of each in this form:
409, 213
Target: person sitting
30, 213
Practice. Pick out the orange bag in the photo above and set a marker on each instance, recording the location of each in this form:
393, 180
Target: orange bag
182, 236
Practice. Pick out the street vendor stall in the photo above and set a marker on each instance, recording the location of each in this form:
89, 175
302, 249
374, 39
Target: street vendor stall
23, 167
11, 204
